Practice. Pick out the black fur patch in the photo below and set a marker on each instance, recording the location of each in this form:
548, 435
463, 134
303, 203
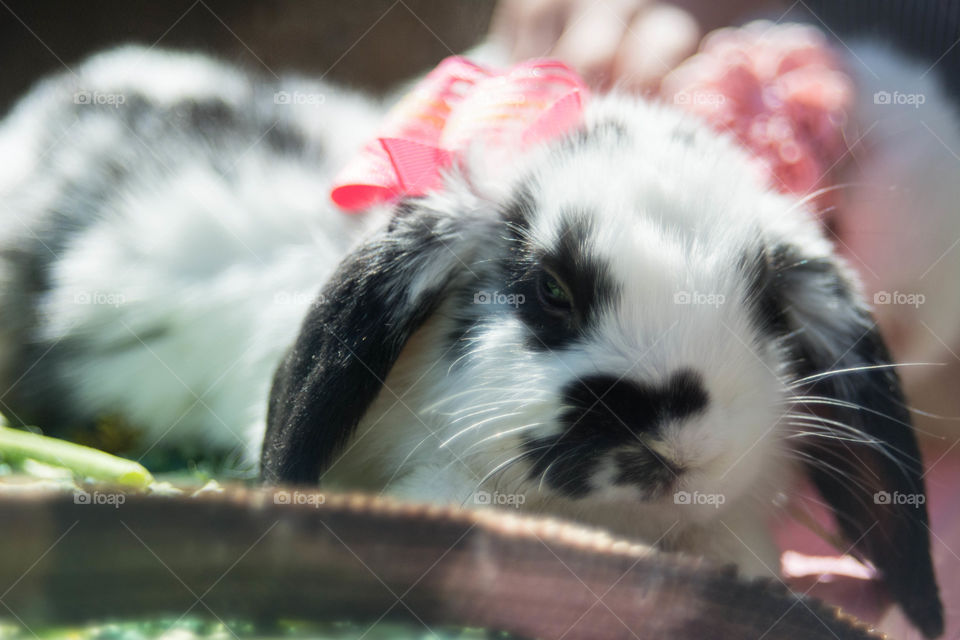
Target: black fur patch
521, 208
349, 343
585, 276
615, 405
600, 133
850, 474
495, 278
644, 469
346, 348
608, 413
774, 275
209, 115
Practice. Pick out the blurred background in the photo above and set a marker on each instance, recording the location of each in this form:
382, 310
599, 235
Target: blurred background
355, 43
369, 45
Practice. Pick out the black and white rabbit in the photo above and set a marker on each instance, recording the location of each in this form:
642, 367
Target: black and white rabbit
625, 327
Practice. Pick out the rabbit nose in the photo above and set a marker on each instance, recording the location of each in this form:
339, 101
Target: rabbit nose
626, 407
607, 415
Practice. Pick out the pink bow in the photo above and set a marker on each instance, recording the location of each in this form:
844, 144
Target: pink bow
455, 105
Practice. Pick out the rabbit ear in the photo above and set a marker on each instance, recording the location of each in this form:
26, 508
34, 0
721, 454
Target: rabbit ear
866, 463
379, 296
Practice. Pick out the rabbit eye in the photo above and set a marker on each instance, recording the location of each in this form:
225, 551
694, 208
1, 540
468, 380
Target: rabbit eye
554, 294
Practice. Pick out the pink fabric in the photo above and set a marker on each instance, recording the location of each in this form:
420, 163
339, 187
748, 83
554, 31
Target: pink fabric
456, 105
780, 90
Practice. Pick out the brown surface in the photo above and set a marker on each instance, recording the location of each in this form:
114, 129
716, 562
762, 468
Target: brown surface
314, 556
370, 43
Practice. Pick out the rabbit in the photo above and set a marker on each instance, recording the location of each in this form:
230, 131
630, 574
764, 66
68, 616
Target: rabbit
624, 326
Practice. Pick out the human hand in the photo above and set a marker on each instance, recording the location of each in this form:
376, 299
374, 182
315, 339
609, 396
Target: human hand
631, 44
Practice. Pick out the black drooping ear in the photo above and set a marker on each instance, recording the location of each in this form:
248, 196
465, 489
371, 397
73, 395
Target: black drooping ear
869, 473
378, 297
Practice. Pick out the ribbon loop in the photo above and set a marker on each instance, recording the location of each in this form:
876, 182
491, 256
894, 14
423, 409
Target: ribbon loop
457, 105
